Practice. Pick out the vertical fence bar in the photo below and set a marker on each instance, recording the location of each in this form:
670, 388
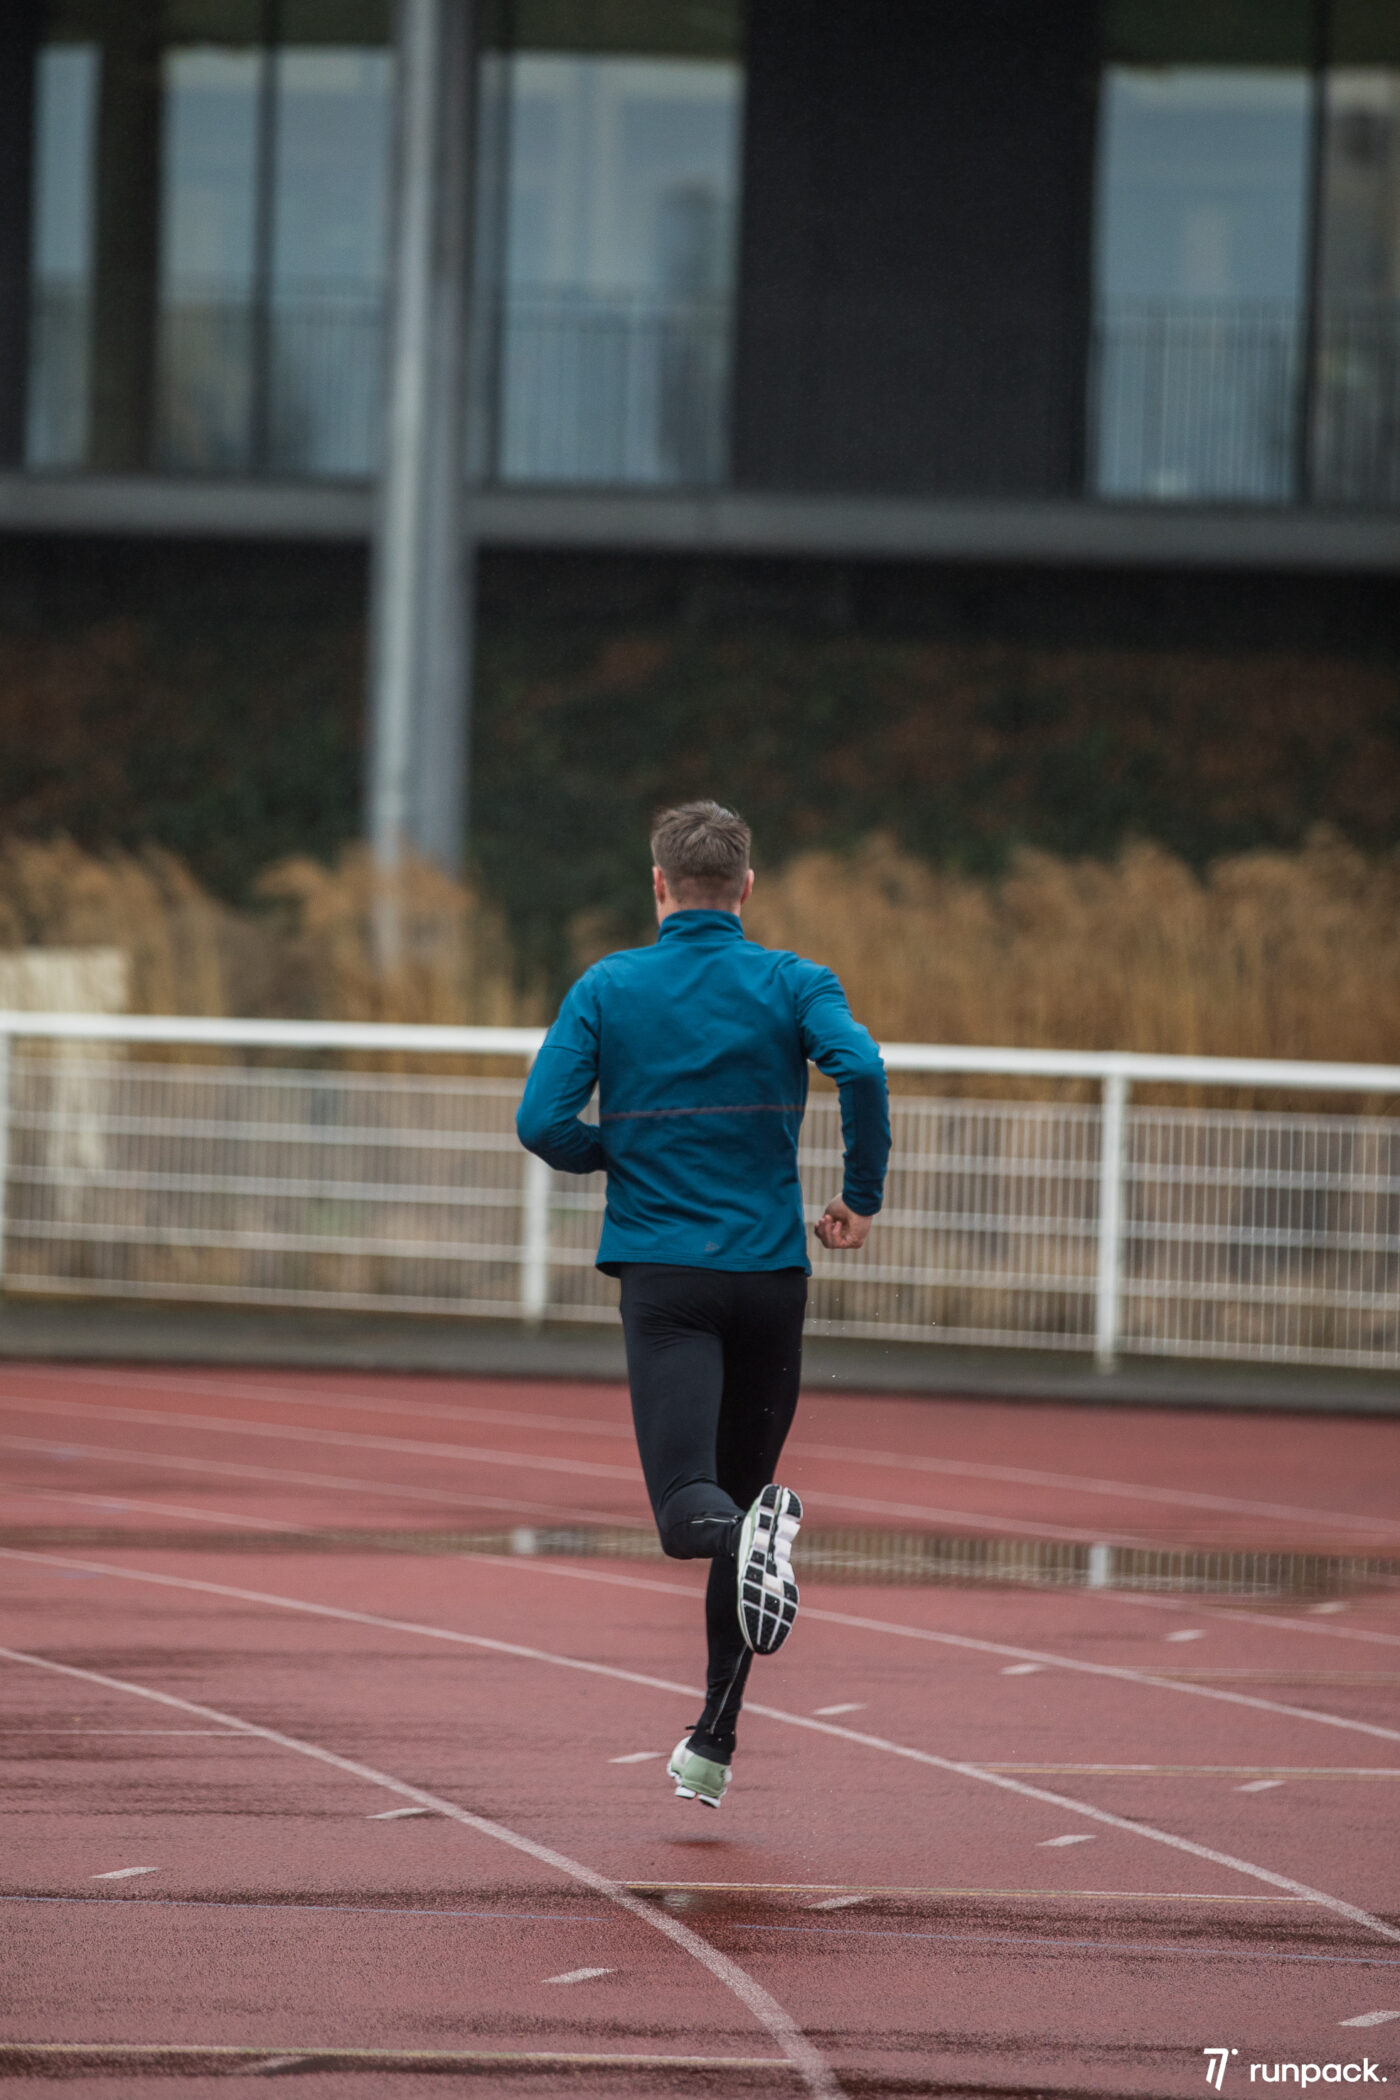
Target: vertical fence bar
1107, 1292
534, 1263
5, 1041
534, 1238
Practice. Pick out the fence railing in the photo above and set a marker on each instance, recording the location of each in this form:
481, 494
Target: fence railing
612, 388
246, 1162
1200, 401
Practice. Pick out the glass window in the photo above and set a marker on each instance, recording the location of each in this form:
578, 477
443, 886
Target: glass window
66, 115
330, 258
1356, 391
1200, 271
212, 239
609, 282
245, 193
208, 221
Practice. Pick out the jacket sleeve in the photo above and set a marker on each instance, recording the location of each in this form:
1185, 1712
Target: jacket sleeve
838, 1045
561, 1081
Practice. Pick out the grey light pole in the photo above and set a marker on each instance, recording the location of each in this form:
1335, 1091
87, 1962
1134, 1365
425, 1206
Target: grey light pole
421, 566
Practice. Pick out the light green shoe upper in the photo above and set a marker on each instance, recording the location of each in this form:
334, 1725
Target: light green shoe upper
698, 1775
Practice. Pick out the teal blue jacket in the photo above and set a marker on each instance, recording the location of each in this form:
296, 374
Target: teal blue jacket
698, 1046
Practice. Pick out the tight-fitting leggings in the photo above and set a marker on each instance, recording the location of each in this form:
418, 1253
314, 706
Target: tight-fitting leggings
714, 1360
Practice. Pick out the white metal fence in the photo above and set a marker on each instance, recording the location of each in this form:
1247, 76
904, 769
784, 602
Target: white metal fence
130, 1168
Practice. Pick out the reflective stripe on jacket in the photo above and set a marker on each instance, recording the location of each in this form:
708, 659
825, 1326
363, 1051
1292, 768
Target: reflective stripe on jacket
698, 1046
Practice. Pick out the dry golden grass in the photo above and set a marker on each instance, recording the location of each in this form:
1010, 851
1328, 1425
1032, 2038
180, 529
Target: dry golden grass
453, 961
187, 953
1290, 955
1270, 954
310, 953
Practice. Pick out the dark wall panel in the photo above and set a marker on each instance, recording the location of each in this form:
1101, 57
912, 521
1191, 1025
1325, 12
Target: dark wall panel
19, 32
914, 251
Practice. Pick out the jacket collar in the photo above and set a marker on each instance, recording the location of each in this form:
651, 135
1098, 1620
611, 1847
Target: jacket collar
701, 925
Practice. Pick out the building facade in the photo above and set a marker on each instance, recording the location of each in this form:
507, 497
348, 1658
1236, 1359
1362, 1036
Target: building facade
1103, 287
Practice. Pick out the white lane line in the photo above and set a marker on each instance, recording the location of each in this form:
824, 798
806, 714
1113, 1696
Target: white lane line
636, 1757
1274, 1772
1033, 1659
1188, 1633
1072, 1837
1030, 1476
1048, 1661
838, 1902
284, 1476
847, 1706
1036, 1658
804, 2058
123, 1873
296, 1396
1023, 1669
396, 1815
349, 1485
1251, 1618
160, 1509
471, 1454
580, 1975
1371, 2019
342, 1439
960, 1770
1258, 1786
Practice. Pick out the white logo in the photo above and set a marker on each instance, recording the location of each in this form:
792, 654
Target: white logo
1364, 2073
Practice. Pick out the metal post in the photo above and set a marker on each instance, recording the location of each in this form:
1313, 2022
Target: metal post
4, 1146
420, 614
534, 1263
1106, 1296
1305, 454
260, 402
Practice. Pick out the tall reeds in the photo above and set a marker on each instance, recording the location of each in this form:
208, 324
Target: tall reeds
1267, 954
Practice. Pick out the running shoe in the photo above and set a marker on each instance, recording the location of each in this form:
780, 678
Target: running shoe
697, 1778
767, 1590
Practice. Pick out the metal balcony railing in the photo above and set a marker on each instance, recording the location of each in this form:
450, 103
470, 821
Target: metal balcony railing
614, 388
1187, 402
1202, 402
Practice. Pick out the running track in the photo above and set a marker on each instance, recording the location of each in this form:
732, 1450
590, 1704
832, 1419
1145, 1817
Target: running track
402, 1812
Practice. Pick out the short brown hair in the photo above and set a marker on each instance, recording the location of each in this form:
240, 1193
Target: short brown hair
703, 851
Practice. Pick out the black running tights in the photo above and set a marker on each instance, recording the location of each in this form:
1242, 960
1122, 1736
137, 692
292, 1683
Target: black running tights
714, 1360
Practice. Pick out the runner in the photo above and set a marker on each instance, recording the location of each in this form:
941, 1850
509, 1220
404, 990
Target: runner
698, 1046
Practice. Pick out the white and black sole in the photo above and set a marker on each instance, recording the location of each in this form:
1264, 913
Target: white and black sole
767, 1588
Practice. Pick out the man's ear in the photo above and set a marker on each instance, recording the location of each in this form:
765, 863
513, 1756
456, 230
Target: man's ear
747, 891
658, 885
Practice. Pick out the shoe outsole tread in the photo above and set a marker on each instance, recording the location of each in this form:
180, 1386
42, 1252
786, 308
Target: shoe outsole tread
766, 1585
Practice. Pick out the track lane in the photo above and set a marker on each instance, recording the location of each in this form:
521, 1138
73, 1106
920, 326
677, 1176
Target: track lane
631, 1507
512, 1506
962, 1769
798, 2052
1041, 1658
1180, 1442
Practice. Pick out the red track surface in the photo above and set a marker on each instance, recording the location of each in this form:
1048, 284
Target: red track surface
880, 1905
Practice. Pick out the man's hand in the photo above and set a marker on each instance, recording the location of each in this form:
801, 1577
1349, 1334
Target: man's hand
841, 1227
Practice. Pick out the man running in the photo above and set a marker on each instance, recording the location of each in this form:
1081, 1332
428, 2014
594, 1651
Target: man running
698, 1046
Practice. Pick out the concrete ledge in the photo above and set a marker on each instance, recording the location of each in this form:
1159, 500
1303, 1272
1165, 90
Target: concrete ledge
42, 1331
1063, 532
